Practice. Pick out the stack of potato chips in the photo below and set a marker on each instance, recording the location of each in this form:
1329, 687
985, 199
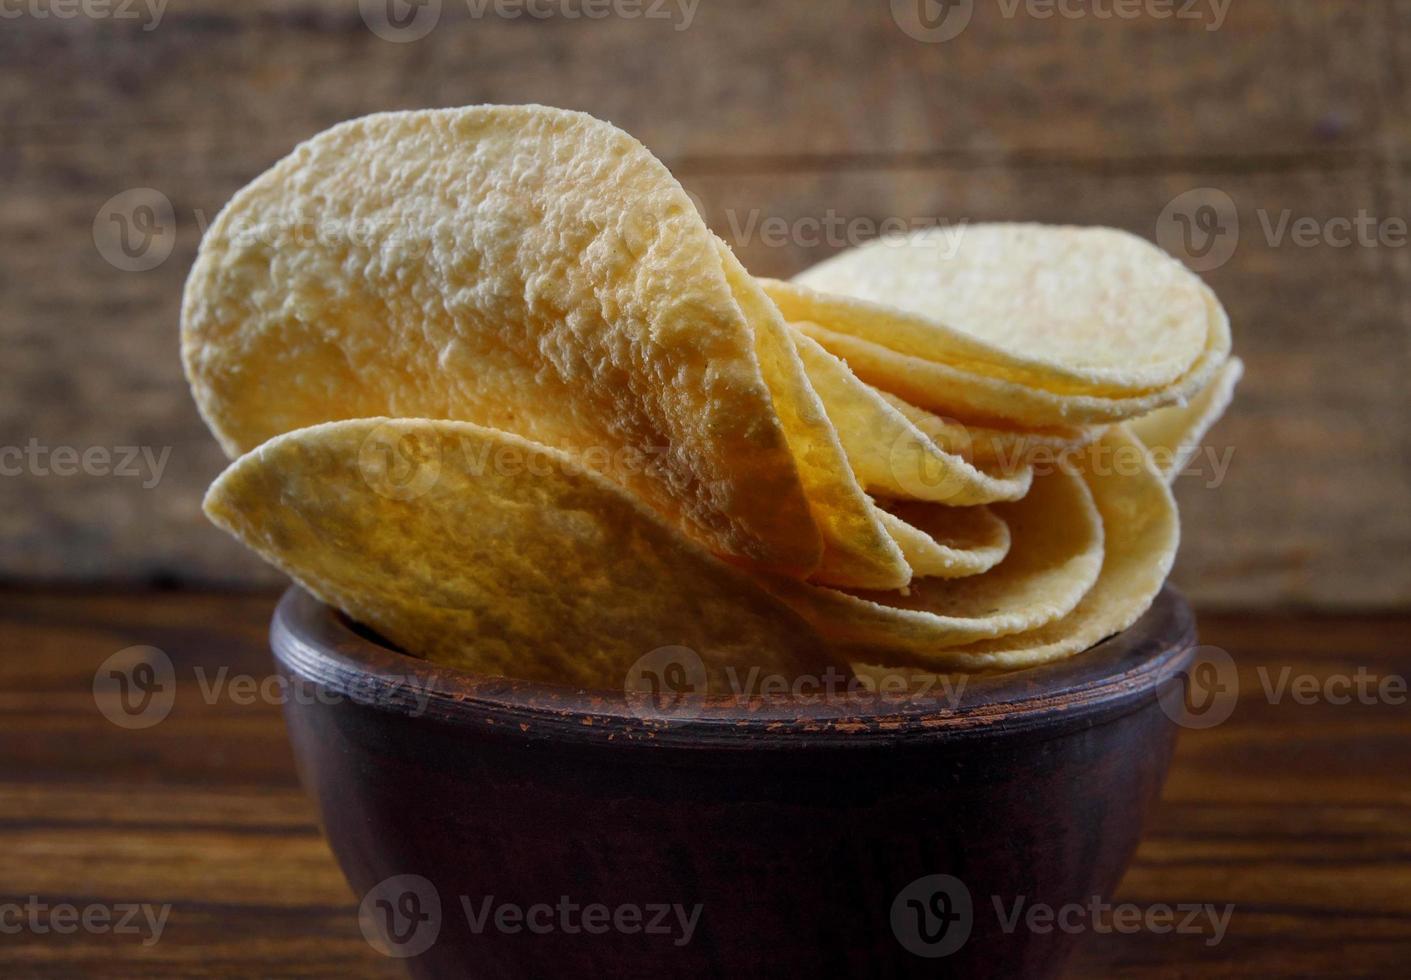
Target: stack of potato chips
495, 390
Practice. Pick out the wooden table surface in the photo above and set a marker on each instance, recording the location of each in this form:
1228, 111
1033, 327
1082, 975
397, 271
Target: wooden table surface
1297, 814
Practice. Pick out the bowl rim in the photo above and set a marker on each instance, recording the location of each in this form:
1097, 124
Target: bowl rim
314, 644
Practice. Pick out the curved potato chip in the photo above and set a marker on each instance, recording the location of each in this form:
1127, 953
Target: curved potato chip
481, 264
545, 572
858, 552
985, 444
1142, 534
1074, 310
1173, 433
947, 542
889, 454
1054, 557
943, 388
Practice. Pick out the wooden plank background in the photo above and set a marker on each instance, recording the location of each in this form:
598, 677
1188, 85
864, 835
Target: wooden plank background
783, 111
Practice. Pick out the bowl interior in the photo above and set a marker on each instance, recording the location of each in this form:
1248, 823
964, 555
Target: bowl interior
318, 645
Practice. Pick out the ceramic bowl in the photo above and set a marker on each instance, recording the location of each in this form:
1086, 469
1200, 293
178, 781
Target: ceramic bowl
497, 828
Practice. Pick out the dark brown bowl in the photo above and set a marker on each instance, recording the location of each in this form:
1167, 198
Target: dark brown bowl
807, 830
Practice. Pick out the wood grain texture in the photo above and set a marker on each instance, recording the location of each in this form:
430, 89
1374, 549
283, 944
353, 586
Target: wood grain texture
773, 114
1298, 815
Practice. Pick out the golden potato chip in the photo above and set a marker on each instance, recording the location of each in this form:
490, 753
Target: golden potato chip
424, 531
946, 542
1142, 531
858, 552
997, 401
529, 269
993, 446
1054, 556
890, 455
1173, 433
1073, 310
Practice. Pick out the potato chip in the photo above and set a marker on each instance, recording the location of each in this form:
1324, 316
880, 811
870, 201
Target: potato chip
525, 268
1142, 531
1072, 310
1173, 434
947, 542
858, 551
889, 454
543, 571
997, 401
988, 445
1054, 557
